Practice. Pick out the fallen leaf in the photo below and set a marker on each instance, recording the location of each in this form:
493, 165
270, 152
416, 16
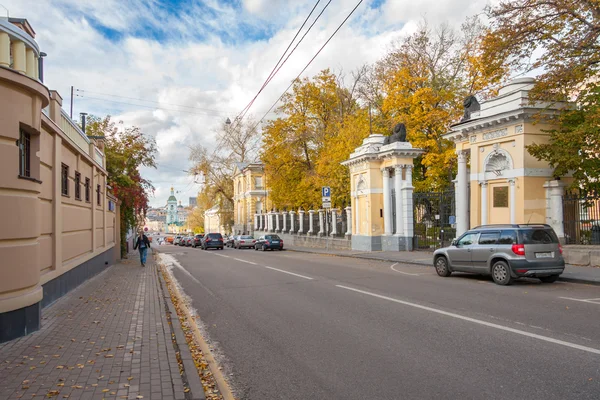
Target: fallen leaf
105, 390
52, 393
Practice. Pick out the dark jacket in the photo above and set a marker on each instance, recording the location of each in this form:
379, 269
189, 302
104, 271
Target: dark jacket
137, 242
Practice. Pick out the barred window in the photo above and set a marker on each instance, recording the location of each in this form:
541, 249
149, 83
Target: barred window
64, 181
24, 144
98, 194
77, 186
88, 189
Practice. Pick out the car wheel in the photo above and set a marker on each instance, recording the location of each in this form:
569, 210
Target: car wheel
501, 273
441, 267
264, 248
549, 279
255, 248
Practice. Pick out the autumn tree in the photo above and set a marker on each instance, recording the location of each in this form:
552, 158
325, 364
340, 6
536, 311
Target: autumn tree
126, 151
422, 83
560, 39
318, 126
236, 143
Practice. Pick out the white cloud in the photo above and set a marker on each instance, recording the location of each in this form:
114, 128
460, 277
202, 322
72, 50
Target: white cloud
207, 56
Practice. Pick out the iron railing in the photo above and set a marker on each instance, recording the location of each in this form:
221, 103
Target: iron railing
581, 218
432, 218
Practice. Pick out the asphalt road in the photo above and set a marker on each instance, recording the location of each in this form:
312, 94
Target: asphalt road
289, 325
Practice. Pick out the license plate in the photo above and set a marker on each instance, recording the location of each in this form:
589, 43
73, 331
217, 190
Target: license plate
276, 242
544, 255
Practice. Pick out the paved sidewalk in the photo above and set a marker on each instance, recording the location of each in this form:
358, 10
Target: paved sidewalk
109, 338
589, 275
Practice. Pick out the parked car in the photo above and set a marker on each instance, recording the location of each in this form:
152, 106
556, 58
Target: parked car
197, 240
505, 252
170, 239
212, 240
183, 241
270, 242
244, 241
230, 240
189, 241
176, 240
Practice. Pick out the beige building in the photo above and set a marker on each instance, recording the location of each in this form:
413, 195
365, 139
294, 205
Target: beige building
59, 221
250, 196
504, 183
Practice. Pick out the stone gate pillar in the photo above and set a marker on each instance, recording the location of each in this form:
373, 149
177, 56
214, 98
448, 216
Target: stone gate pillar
370, 167
292, 222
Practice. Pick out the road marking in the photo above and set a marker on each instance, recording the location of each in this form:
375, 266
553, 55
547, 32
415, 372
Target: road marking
477, 321
245, 261
401, 272
170, 260
591, 301
291, 273
220, 255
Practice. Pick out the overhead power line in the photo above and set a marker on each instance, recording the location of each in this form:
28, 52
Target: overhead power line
307, 65
279, 63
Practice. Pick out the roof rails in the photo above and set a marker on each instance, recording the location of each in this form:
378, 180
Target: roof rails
497, 226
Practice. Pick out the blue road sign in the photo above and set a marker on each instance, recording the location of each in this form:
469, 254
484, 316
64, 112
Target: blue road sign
325, 191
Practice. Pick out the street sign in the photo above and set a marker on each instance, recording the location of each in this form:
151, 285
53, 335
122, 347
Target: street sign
326, 196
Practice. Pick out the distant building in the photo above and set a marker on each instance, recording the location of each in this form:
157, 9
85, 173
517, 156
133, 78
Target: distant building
171, 218
193, 201
249, 195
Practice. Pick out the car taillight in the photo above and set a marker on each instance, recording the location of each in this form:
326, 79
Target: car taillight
518, 249
208, 240
221, 239
281, 241
560, 248
267, 242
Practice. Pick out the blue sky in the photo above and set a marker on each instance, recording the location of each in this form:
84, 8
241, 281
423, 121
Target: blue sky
179, 68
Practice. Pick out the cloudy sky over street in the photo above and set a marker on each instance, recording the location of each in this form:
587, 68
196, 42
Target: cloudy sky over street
179, 68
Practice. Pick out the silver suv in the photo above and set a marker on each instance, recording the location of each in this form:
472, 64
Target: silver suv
505, 252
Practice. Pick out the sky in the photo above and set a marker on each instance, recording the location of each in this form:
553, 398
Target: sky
179, 68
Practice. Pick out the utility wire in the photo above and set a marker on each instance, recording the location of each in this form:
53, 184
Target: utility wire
310, 62
274, 70
84, 91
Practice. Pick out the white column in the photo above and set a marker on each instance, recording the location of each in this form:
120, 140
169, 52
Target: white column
349, 221
300, 221
357, 213
512, 200
321, 223
255, 222
407, 205
4, 49
30, 64
462, 195
266, 222
311, 222
556, 191
276, 216
292, 221
334, 221
399, 183
387, 199
484, 202
19, 58
284, 215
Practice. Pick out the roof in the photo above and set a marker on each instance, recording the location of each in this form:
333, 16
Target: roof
172, 198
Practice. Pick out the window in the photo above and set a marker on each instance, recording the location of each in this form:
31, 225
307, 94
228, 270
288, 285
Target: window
88, 189
539, 236
489, 237
64, 180
468, 239
258, 182
98, 194
77, 186
24, 144
508, 237
501, 196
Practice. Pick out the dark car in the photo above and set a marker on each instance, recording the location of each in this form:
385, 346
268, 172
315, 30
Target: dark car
269, 242
197, 240
212, 240
182, 240
505, 252
189, 241
244, 241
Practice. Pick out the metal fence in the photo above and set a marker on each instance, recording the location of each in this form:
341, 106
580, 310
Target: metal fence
432, 218
581, 218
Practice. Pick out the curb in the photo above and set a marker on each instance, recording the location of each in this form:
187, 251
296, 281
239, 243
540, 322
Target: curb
561, 278
190, 370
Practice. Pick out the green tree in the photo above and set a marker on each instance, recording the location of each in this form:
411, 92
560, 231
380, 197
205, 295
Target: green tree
126, 152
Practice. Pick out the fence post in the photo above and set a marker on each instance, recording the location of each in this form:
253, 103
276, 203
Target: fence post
348, 221
333, 222
277, 214
310, 222
556, 191
300, 221
284, 216
292, 222
321, 223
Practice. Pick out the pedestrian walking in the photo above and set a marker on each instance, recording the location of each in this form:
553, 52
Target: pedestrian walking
142, 244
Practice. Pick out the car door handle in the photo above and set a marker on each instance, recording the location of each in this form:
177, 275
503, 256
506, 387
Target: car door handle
491, 250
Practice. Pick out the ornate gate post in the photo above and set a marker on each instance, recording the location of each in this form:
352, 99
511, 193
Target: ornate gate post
321, 223
334, 212
300, 221
310, 222
292, 222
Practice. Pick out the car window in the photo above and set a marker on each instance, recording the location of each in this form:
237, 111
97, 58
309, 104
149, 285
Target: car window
215, 235
468, 239
273, 237
539, 236
246, 237
489, 237
508, 237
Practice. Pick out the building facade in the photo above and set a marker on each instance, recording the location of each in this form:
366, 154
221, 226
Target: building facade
250, 196
59, 221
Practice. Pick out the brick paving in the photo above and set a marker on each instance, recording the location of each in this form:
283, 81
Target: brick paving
107, 339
